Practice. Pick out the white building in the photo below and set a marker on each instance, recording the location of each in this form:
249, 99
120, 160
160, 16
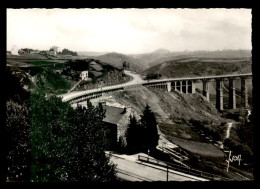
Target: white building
56, 49
14, 50
52, 53
84, 75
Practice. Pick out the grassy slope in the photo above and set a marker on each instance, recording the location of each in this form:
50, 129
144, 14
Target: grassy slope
107, 79
197, 68
175, 106
116, 60
224, 56
172, 106
47, 81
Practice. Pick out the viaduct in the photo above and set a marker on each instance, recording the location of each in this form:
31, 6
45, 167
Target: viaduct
184, 85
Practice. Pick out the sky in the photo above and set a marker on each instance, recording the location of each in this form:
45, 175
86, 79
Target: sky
129, 31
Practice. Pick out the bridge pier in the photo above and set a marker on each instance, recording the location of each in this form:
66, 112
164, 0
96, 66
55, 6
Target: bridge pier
232, 94
169, 86
173, 84
205, 91
219, 94
186, 87
192, 87
244, 95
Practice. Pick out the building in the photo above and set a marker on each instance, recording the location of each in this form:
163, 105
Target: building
55, 49
8, 53
51, 53
116, 120
20, 51
84, 75
14, 50
35, 52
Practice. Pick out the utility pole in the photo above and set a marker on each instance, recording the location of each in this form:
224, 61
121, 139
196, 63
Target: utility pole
167, 173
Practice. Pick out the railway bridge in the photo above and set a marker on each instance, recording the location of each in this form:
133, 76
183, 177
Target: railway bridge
183, 84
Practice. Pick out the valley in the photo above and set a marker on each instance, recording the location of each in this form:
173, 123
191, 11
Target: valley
187, 121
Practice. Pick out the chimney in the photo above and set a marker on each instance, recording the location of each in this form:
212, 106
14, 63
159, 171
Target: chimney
101, 103
124, 111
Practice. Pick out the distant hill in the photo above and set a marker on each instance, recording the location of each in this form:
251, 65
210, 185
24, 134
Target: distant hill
90, 53
161, 51
141, 62
156, 58
116, 60
200, 67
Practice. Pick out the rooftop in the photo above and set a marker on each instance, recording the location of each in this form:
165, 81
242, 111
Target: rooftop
113, 114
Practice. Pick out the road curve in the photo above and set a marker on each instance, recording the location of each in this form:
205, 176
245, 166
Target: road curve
137, 80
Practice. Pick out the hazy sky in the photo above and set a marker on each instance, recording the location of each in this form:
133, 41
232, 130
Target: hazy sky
129, 30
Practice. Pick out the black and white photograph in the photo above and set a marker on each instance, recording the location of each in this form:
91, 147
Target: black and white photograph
129, 95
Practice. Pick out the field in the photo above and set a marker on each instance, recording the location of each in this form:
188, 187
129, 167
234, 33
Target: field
185, 137
197, 68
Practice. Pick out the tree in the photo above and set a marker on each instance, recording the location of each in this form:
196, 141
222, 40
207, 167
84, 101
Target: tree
18, 145
133, 134
149, 123
67, 144
16, 93
68, 52
52, 139
17, 129
91, 164
49, 141
124, 65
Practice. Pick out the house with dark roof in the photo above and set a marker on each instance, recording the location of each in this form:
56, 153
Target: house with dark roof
34, 52
116, 119
96, 66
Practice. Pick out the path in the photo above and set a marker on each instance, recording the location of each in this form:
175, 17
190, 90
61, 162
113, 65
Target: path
228, 129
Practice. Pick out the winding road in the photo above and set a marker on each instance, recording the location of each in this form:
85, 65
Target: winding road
137, 80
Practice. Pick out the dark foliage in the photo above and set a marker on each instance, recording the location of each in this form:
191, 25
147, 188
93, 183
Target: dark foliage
211, 130
134, 135
68, 52
153, 76
18, 146
48, 141
149, 123
16, 92
91, 164
143, 135
68, 145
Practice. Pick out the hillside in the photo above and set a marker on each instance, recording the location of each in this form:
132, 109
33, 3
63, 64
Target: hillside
90, 53
228, 55
57, 76
116, 60
192, 123
160, 56
196, 67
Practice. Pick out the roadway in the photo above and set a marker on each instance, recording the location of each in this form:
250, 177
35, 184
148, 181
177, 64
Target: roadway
137, 80
130, 169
